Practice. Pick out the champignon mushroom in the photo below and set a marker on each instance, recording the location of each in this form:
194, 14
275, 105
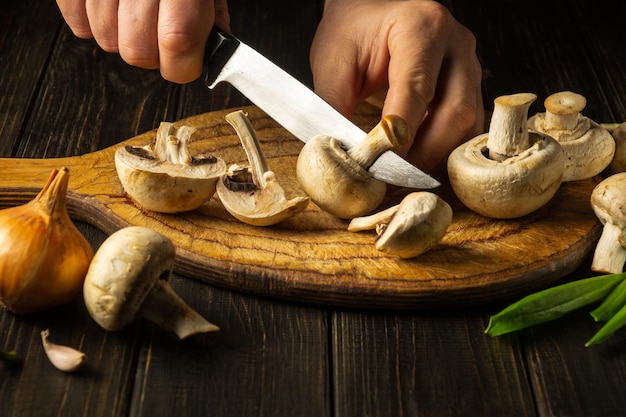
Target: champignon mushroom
510, 171
411, 228
588, 147
619, 159
165, 177
608, 200
128, 278
252, 194
337, 180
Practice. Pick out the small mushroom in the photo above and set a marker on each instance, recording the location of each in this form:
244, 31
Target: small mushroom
510, 171
588, 147
165, 177
411, 228
128, 278
619, 159
337, 180
252, 194
608, 200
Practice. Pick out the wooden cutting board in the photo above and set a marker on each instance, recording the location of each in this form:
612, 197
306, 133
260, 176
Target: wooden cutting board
312, 257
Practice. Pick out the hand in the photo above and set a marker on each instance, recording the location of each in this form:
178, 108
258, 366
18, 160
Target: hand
165, 34
417, 54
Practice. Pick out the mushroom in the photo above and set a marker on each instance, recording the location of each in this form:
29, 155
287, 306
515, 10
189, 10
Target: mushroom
619, 159
252, 194
588, 147
608, 200
166, 178
413, 227
510, 171
337, 180
128, 278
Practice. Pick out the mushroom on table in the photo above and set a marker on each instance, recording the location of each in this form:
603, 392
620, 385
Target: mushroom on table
618, 164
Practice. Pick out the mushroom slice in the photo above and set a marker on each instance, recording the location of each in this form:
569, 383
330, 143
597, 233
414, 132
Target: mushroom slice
128, 278
337, 180
165, 177
510, 171
608, 200
588, 147
252, 194
619, 159
411, 228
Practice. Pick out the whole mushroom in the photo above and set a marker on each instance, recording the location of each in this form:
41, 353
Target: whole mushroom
128, 278
510, 171
411, 228
337, 180
588, 147
608, 200
619, 159
165, 177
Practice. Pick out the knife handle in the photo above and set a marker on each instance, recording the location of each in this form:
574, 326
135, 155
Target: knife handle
219, 48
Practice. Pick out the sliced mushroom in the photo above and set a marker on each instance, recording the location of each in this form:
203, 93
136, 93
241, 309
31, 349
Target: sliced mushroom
510, 171
165, 177
588, 147
411, 228
128, 278
337, 180
252, 194
619, 159
608, 200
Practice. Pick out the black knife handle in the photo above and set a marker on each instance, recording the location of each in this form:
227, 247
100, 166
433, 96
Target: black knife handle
219, 48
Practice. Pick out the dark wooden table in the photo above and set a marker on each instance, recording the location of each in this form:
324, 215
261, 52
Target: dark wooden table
61, 96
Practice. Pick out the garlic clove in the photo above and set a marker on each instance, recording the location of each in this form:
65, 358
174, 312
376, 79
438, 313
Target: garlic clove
64, 358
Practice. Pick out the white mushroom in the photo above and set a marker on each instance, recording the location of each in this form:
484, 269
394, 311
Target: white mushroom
165, 177
510, 171
128, 278
608, 200
619, 159
337, 180
411, 228
252, 194
588, 147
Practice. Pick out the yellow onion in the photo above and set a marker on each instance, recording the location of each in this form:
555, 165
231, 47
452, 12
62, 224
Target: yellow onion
43, 256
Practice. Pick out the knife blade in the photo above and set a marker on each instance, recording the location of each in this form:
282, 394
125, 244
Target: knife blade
295, 106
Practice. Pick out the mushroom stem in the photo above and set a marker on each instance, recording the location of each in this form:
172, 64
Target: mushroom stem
563, 110
372, 221
609, 255
391, 132
165, 308
508, 131
258, 165
172, 143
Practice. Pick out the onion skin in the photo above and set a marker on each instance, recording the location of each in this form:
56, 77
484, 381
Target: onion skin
43, 256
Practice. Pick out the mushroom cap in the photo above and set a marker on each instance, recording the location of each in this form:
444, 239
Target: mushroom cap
334, 181
122, 273
512, 188
163, 186
608, 200
418, 225
619, 159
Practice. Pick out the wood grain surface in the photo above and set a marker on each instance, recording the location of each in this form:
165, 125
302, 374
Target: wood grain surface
312, 256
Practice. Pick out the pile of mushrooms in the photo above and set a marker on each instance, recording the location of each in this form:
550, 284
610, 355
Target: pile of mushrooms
509, 171
337, 179
588, 147
165, 177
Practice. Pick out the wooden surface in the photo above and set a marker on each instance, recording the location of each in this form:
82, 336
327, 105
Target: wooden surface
312, 256
63, 97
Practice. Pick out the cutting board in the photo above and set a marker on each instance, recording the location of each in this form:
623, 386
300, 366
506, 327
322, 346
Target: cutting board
312, 257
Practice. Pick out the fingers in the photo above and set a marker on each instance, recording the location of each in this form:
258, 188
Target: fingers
102, 16
75, 16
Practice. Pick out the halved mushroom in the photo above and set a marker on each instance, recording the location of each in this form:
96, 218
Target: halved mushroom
165, 177
128, 278
608, 200
619, 159
588, 147
252, 194
411, 228
337, 180
509, 171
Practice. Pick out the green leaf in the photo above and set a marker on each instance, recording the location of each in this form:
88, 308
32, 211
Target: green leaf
11, 357
612, 304
613, 325
552, 303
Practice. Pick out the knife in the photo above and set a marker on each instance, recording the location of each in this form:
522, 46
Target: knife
294, 106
